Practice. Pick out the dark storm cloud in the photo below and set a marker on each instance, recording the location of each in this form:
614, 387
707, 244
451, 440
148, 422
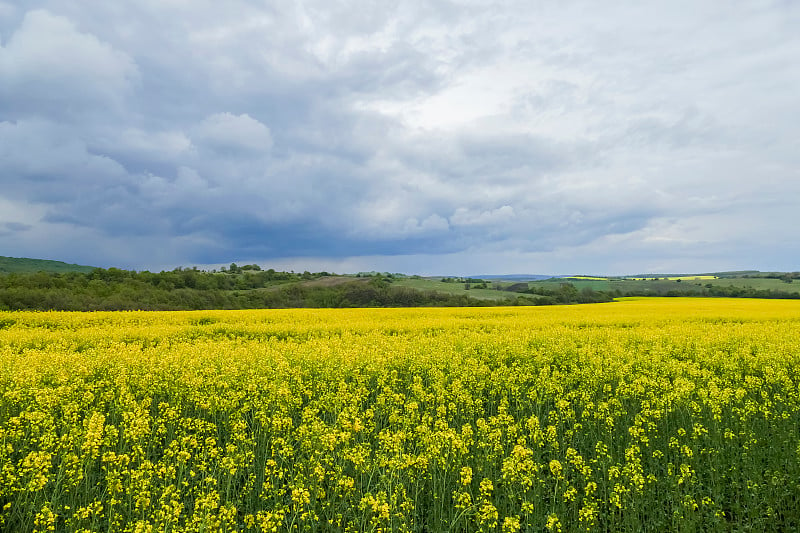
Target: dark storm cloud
9, 228
156, 132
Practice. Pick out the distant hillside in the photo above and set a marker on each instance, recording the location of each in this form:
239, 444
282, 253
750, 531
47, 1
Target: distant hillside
514, 277
65, 287
24, 264
246, 287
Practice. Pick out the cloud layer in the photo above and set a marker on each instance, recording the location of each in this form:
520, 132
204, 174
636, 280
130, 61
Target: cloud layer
487, 137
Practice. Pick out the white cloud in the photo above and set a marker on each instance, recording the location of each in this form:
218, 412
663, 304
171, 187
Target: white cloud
48, 62
431, 224
225, 131
40, 150
467, 217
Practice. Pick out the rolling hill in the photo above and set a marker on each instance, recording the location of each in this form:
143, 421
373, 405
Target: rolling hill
25, 264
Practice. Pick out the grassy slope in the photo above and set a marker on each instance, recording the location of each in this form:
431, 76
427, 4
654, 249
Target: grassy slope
424, 284
24, 264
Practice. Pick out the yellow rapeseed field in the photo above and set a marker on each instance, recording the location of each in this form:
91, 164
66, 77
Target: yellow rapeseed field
639, 415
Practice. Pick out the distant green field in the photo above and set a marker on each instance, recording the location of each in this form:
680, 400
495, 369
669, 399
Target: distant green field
757, 283
427, 284
24, 264
600, 284
662, 284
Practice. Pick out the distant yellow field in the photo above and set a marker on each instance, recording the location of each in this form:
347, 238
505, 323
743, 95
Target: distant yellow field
693, 277
640, 415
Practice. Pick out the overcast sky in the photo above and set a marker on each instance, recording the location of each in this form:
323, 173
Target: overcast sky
430, 137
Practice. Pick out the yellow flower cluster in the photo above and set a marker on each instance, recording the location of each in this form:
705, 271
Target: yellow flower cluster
639, 415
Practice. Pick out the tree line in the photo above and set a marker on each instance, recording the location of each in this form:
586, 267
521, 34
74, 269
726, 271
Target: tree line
231, 288
249, 287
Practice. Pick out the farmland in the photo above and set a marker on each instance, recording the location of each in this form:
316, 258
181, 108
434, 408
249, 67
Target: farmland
672, 283
61, 287
639, 415
690, 285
